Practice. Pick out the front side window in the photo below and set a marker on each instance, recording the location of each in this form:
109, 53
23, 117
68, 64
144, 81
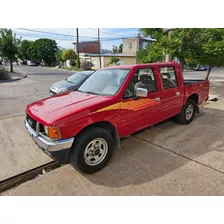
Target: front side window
143, 78
105, 82
169, 78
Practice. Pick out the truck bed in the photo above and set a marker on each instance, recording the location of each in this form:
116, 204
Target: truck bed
192, 81
196, 86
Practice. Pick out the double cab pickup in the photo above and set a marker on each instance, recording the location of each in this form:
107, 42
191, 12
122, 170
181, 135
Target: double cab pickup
84, 126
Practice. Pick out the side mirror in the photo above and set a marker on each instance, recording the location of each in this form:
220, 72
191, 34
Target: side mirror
141, 92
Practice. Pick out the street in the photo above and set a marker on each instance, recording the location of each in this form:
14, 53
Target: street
168, 159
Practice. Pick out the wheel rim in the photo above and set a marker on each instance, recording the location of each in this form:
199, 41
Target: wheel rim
95, 151
189, 111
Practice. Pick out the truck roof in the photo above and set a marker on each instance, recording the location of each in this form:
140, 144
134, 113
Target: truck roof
140, 65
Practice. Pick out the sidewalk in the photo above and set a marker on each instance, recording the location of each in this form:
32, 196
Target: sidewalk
15, 76
18, 151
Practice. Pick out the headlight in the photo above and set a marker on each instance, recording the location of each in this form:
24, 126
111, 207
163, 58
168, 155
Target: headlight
52, 132
62, 90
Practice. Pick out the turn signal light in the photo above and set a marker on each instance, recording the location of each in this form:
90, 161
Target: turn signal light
54, 133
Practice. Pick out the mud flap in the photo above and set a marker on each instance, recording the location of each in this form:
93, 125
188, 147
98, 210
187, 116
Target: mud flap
197, 109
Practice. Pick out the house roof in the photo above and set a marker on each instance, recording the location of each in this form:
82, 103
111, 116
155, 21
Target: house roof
111, 55
141, 65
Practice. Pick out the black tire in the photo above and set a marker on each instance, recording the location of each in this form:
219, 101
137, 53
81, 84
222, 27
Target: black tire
182, 117
77, 152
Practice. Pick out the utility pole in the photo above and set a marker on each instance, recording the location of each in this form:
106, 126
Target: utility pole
99, 45
77, 47
168, 32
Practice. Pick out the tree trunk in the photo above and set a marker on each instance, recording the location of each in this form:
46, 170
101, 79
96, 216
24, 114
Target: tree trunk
208, 72
11, 66
181, 64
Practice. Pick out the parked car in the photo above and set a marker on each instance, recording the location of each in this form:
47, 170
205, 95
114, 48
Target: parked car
201, 68
70, 84
84, 127
32, 63
23, 62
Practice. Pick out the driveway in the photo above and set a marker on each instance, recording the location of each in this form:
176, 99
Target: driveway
169, 159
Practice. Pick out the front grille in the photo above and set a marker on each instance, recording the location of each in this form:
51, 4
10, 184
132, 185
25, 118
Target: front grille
31, 122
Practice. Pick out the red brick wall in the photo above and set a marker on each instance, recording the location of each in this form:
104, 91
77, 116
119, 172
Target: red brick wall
89, 47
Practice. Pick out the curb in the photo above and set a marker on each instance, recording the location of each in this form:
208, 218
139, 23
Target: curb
15, 79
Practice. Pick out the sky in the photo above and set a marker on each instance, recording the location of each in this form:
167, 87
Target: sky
66, 36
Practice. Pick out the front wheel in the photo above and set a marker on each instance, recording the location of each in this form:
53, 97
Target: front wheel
92, 150
187, 114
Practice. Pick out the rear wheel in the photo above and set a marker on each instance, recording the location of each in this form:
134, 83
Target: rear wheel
187, 114
92, 150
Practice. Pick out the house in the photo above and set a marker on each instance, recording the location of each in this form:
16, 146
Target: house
132, 45
128, 55
89, 51
92, 47
124, 59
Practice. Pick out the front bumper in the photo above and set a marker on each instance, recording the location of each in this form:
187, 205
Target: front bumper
58, 150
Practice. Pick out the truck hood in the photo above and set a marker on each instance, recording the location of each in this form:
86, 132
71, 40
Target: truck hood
51, 109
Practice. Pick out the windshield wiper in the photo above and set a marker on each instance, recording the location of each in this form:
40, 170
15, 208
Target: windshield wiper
89, 92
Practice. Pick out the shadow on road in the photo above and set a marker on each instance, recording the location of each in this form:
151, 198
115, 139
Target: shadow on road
139, 161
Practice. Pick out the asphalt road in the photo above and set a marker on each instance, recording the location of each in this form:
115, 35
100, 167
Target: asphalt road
14, 96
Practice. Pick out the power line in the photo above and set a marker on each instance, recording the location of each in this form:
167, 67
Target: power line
67, 34
58, 34
66, 38
102, 31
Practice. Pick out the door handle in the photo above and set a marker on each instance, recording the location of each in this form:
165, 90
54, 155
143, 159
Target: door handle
157, 99
177, 93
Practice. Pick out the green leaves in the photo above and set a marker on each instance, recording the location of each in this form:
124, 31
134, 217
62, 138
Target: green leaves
44, 50
69, 54
190, 45
58, 56
9, 45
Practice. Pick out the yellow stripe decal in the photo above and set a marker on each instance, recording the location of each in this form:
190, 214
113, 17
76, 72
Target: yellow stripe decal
130, 105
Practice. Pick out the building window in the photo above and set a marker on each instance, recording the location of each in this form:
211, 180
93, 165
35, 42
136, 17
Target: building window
130, 45
145, 44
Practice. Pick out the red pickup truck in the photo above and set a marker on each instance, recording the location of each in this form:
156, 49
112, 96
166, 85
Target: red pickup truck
84, 127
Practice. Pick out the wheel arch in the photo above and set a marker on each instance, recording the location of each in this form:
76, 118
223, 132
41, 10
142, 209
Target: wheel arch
107, 126
194, 97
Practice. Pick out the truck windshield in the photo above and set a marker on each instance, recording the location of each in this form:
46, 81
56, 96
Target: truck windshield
105, 82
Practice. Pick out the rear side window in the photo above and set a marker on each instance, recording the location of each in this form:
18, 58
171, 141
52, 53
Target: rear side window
169, 77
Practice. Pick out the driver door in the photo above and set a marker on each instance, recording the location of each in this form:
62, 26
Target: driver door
139, 113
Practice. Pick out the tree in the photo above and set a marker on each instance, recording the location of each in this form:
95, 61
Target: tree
58, 56
189, 45
44, 50
113, 61
212, 48
9, 45
69, 54
23, 52
120, 48
156, 33
31, 52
